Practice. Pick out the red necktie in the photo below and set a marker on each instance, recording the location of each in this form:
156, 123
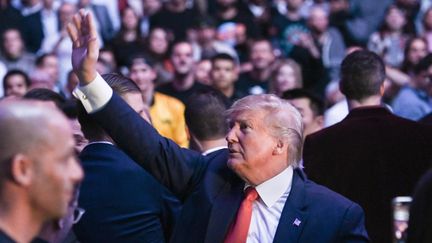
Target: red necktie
239, 230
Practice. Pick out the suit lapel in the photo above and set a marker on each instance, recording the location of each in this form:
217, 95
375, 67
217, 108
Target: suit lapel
294, 215
224, 209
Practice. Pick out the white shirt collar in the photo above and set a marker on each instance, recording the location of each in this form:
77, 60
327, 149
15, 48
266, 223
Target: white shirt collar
213, 150
271, 190
99, 142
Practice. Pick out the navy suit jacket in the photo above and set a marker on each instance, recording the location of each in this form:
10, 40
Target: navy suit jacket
213, 193
370, 157
33, 31
123, 202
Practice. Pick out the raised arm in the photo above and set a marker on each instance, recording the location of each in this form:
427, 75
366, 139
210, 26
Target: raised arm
178, 169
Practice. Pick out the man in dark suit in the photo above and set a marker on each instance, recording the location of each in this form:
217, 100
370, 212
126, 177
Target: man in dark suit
420, 219
205, 121
123, 202
372, 155
264, 144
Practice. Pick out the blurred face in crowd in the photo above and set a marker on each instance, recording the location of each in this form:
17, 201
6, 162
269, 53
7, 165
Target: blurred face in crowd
108, 57
158, 41
143, 75
294, 5
151, 6
66, 12
56, 171
423, 80
311, 122
223, 74
129, 19
182, 58
50, 66
417, 51
226, 3
261, 55
285, 79
427, 20
13, 46
206, 35
318, 20
395, 19
202, 71
15, 85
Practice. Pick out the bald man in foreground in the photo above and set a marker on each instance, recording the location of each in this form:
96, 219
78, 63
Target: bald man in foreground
38, 168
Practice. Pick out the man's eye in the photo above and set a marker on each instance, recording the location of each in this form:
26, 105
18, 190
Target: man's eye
244, 126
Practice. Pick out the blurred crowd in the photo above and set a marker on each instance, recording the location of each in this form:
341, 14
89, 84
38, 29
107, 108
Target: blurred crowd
276, 45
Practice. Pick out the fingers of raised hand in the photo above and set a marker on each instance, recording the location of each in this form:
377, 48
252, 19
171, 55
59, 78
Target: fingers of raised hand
73, 34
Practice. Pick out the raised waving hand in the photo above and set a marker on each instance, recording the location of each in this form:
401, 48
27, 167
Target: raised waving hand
82, 32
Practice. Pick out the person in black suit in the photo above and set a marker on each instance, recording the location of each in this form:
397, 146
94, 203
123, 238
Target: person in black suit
264, 144
123, 202
205, 121
372, 155
420, 219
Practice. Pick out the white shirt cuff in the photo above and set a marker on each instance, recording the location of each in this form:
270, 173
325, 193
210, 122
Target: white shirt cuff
95, 95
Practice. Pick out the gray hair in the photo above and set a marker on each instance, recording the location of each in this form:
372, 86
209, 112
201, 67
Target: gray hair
283, 120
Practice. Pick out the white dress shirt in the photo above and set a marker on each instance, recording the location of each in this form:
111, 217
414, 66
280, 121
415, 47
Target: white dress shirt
268, 208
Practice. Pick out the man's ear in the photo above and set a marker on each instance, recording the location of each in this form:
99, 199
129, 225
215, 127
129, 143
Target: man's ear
22, 170
280, 147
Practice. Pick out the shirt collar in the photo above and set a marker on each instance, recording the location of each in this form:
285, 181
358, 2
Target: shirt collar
99, 142
213, 150
273, 189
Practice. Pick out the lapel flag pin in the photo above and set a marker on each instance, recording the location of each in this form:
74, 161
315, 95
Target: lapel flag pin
297, 222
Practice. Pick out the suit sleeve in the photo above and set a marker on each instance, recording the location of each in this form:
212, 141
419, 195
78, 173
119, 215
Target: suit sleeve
180, 170
353, 228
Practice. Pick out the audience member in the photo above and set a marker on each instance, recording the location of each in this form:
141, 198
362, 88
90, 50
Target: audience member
364, 157
224, 74
311, 108
262, 58
39, 169
183, 84
10, 17
264, 144
388, 42
41, 25
166, 112
158, 47
427, 28
59, 44
47, 66
205, 121
129, 39
15, 83
13, 53
414, 100
415, 49
231, 11
207, 43
202, 71
287, 75
176, 17
138, 209
328, 41
102, 19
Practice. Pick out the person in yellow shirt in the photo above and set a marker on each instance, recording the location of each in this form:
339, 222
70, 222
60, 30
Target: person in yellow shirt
166, 112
